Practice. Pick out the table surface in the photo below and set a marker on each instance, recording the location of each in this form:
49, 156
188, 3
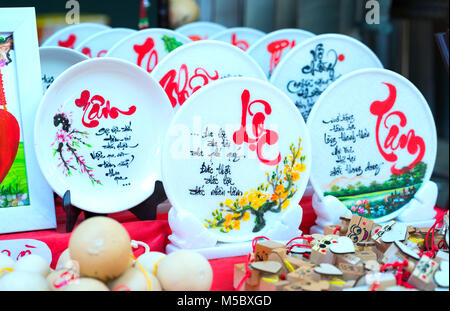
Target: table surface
155, 233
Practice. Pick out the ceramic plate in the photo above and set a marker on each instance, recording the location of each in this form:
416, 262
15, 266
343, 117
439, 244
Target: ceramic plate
200, 30
72, 35
242, 37
270, 49
238, 180
98, 44
196, 64
55, 60
98, 132
146, 48
309, 68
374, 143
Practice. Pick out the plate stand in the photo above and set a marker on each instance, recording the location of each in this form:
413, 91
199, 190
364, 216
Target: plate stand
419, 212
189, 233
144, 211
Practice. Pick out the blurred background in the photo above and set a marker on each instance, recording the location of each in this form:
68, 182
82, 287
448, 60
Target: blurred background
403, 40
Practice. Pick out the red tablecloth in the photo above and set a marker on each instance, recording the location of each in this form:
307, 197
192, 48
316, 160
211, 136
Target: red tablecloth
153, 232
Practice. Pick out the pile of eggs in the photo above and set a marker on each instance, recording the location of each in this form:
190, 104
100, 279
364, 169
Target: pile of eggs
100, 258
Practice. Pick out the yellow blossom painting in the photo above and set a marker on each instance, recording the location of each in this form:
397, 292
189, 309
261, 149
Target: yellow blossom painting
271, 196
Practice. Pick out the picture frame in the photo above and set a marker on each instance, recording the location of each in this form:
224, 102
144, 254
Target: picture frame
26, 200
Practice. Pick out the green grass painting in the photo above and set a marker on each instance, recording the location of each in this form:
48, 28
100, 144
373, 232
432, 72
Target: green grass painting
14, 188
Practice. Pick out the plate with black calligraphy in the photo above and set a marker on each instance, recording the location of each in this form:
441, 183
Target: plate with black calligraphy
374, 143
237, 157
146, 48
196, 64
98, 133
313, 65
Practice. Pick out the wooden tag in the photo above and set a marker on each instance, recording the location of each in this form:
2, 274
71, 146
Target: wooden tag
310, 285
327, 269
296, 262
266, 266
267, 285
359, 229
264, 248
348, 258
351, 272
366, 255
304, 272
422, 276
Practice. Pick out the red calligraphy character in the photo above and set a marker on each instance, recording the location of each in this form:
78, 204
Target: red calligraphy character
147, 48
261, 136
69, 42
86, 51
242, 44
97, 108
413, 144
276, 50
7, 252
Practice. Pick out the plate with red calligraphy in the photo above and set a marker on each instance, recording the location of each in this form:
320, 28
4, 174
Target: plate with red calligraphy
200, 30
241, 37
98, 44
196, 64
270, 49
374, 143
98, 133
70, 36
237, 157
146, 48
313, 65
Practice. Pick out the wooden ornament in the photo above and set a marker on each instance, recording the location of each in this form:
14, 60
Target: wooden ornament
347, 258
310, 285
264, 248
359, 229
269, 285
320, 251
329, 230
366, 255
271, 267
422, 276
304, 272
344, 245
351, 272
327, 269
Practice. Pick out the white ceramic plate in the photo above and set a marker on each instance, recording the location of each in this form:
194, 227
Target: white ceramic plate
270, 49
55, 60
200, 30
72, 35
98, 132
373, 138
211, 155
146, 48
196, 64
98, 44
242, 37
310, 67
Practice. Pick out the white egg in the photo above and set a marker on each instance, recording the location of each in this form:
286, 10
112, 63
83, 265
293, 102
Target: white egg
33, 263
23, 281
185, 270
6, 264
85, 285
150, 260
63, 259
133, 279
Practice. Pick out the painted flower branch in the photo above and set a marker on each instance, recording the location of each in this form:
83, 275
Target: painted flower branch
272, 196
68, 141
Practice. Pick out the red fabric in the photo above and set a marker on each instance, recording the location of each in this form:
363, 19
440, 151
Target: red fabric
155, 233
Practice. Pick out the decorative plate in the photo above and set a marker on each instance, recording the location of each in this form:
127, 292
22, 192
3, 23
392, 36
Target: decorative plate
374, 143
55, 60
242, 37
98, 133
237, 157
98, 44
70, 36
146, 48
196, 64
270, 49
309, 68
200, 30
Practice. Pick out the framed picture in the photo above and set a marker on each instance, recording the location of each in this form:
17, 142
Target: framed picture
26, 200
